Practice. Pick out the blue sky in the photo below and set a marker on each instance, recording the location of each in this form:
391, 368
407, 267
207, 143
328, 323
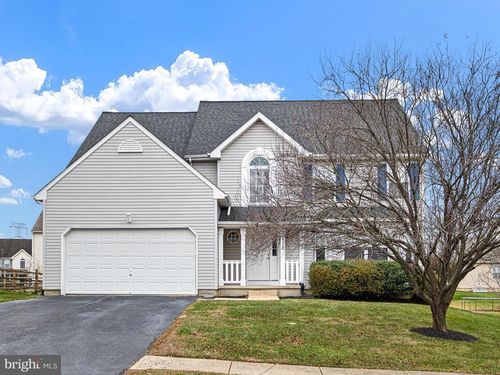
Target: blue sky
61, 63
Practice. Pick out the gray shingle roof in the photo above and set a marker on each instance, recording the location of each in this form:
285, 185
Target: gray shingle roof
10, 246
198, 133
38, 227
172, 128
216, 121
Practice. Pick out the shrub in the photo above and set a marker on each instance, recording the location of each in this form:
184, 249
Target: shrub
360, 279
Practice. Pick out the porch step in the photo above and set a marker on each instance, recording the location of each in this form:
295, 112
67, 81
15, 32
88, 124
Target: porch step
263, 295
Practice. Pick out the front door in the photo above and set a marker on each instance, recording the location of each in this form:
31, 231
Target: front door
263, 268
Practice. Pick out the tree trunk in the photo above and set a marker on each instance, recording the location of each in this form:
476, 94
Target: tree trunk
439, 310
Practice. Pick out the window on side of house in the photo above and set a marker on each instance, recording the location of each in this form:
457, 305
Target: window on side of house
341, 182
495, 272
259, 180
414, 174
382, 181
354, 253
22, 263
375, 253
274, 248
320, 254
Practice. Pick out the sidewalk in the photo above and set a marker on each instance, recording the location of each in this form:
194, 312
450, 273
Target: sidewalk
150, 362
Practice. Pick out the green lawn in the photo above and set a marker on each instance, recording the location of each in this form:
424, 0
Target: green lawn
482, 306
331, 333
7, 295
460, 295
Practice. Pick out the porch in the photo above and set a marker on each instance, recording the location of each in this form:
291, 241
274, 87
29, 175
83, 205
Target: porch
278, 266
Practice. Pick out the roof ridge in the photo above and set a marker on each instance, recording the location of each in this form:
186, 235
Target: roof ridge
146, 112
294, 100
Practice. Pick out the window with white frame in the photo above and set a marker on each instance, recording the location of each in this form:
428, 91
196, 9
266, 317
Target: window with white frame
259, 169
22, 263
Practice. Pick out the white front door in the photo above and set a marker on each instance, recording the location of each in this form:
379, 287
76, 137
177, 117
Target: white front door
264, 266
130, 261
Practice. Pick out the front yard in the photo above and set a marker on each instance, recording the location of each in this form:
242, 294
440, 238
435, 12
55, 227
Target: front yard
330, 333
8, 295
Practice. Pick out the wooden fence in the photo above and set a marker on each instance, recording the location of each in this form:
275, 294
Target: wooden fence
15, 279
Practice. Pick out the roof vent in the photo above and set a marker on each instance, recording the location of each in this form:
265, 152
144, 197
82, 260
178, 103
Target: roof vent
130, 145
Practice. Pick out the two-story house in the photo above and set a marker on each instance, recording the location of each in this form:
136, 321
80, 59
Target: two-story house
157, 203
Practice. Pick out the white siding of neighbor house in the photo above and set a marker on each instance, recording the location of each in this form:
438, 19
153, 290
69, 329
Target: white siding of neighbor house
207, 169
16, 260
480, 279
258, 135
155, 188
37, 251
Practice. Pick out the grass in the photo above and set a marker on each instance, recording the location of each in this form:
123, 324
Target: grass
460, 295
330, 333
484, 307
10, 295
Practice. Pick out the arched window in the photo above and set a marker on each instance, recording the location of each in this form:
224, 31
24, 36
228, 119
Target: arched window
22, 263
259, 180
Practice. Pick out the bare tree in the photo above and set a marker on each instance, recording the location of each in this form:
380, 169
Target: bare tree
406, 162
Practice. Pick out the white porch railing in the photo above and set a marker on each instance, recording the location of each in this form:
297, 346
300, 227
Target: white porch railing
292, 271
231, 271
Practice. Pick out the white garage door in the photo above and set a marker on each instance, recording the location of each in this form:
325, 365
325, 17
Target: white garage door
130, 261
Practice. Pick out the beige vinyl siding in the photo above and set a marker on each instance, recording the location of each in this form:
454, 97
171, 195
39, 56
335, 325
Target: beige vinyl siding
258, 135
207, 169
155, 188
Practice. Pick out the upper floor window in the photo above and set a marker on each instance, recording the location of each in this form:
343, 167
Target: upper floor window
259, 180
341, 182
382, 180
22, 263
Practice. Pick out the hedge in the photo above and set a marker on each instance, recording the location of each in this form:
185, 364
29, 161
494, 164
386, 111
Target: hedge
358, 279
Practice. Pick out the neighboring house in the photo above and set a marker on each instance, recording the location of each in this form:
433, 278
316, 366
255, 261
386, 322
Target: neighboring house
15, 253
158, 203
37, 244
485, 277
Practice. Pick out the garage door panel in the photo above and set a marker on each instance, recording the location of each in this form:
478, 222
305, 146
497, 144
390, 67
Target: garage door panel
137, 261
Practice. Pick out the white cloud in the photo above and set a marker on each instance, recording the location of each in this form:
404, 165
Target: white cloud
4, 182
20, 193
16, 197
8, 200
15, 154
189, 79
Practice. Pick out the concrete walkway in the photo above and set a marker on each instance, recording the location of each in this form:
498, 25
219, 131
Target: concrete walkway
151, 362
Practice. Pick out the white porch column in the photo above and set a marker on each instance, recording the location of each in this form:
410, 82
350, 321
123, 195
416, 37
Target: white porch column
221, 255
282, 261
243, 274
301, 257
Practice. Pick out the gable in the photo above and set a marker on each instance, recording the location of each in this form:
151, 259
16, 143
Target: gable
106, 153
21, 254
274, 135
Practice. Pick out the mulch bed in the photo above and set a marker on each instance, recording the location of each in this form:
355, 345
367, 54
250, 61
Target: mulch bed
449, 335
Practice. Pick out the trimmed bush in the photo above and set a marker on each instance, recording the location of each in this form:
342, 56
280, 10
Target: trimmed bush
358, 279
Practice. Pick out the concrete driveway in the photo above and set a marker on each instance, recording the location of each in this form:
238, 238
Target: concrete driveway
93, 334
